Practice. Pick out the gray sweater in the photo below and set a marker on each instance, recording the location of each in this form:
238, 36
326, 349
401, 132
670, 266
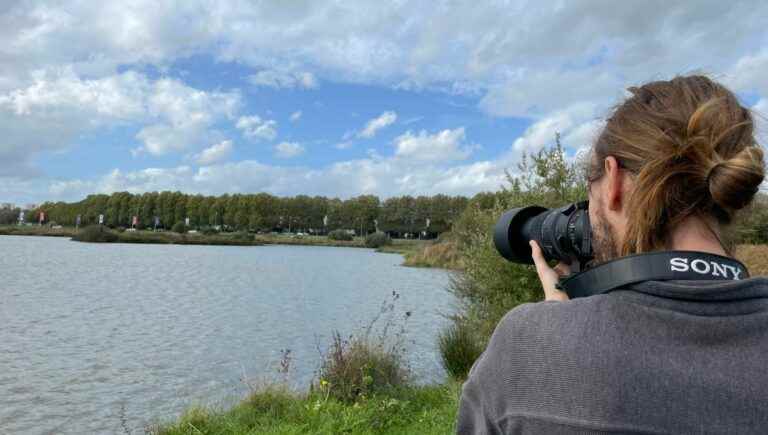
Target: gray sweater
684, 357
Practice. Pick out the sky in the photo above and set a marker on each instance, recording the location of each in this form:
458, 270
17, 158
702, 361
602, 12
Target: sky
331, 98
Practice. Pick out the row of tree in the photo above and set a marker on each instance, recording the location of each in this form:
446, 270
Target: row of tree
10, 214
262, 212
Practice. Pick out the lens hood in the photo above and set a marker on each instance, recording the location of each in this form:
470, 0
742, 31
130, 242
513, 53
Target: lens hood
509, 242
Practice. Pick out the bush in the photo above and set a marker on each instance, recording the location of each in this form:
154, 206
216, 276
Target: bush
459, 349
377, 240
95, 234
242, 236
179, 227
489, 286
356, 368
209, 231
340, 235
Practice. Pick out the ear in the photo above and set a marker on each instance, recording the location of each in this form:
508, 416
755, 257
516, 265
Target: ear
614, 183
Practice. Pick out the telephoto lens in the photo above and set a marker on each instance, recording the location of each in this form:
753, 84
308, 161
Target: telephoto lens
564, 234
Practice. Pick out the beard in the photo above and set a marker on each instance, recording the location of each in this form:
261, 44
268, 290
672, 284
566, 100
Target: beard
603, 239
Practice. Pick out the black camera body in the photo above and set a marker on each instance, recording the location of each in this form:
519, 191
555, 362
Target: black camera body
564, 234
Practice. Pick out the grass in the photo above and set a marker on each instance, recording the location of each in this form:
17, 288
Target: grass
459, 348
426, 253
281, 239
755, 257
442, 254
35, 230
275, 410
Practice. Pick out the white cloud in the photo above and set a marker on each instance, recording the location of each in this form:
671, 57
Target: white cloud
576, 124
116, 97
295, 116
380, 176
58, 106
749, 74
184, 115
214, 154
462, 48
287, 150
441, 146
278, 79
374, 125
343, 145
254, 127
760, 116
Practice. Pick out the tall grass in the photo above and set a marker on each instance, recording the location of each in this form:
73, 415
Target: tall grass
356, 368
459, 348
755, 257
96, 234
407, 410
441, 254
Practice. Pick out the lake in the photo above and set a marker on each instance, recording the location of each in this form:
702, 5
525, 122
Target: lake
100, 338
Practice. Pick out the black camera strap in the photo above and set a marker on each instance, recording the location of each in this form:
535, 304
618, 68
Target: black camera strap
653, 266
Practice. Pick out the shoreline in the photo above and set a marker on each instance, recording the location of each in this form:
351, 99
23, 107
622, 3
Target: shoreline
416, 253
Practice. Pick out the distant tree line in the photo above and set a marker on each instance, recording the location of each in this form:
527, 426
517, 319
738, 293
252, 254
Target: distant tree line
10, 214
364, 214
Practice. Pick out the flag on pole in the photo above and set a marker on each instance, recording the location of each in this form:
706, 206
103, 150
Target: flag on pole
325, 220
101, 219
135, 221
186, 221
42, 217
21, 217
428, 222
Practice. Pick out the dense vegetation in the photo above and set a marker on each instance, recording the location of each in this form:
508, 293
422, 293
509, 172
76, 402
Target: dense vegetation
377, 240
340, 235
96, 234
262, 212
274, 410
490, 286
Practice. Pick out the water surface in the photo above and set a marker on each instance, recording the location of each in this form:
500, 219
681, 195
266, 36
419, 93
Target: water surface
95, 337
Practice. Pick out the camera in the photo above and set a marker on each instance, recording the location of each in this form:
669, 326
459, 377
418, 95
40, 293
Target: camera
564, 234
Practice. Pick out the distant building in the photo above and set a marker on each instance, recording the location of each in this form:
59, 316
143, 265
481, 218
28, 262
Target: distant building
30, 206
7, 206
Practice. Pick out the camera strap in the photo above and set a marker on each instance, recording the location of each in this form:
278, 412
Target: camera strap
653, 266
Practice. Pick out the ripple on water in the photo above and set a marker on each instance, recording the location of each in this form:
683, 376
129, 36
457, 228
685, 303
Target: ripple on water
98, 335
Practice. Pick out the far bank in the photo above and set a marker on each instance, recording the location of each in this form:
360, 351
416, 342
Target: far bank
417, 253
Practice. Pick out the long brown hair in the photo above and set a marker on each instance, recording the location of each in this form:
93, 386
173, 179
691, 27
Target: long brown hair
691, 147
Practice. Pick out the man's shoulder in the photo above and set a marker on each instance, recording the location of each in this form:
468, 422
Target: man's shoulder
541, 317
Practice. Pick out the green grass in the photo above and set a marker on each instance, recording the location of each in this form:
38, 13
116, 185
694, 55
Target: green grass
407, 410
403, 247
35, 230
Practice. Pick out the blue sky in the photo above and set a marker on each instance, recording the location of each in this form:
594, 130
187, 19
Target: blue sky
334, 99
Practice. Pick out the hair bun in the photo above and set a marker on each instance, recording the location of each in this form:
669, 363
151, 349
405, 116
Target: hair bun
734, 182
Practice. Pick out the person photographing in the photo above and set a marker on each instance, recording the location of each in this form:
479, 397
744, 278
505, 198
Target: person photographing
648, 325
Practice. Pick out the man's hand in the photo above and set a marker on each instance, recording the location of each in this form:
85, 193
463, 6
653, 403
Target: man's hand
549, 276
